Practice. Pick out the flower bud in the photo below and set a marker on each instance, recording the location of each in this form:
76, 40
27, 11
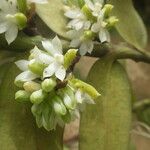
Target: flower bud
66, 118
37, 97
36, 67
22, 96
87, 12
48, 85
59, 107
21, 20
18, 83
107, 9
31, 86
111, 21
69, 57
69, 102
90, 90
88, 34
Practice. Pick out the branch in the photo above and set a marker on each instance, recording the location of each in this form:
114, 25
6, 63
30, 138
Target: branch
121, 52
24, 43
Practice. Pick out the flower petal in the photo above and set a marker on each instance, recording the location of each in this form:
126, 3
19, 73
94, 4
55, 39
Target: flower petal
50, 70
75, 43
26, 76
88, 99
45, 58
38, 1
104, 36
78, 96
11, 33
57, 45
22, 64
49, 47
85, 47
72, 13
3, 27
61, 73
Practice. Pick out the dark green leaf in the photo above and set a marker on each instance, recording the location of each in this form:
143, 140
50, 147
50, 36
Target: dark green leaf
130, 25
106, 125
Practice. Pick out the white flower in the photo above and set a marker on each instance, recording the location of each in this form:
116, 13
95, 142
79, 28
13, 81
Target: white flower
95, 6
78, 40
52, 60
8, 24
100, 28
54, 48
38, 1
78, 19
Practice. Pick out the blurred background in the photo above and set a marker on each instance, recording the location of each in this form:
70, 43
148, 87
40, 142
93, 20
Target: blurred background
139, 74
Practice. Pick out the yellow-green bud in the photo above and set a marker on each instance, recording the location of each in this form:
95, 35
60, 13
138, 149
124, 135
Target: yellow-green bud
107, 9
86, 88
22, 96
59, 107
19, 83
69, 57
31, 86
111, 21
37, 97
87, 12
48, 85
88, 34
21, 20
36, 67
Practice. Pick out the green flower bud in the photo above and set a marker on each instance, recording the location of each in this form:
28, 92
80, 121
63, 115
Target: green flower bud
22, 96
89, 34
69, 102
59, 107
21, 20
19, 83
36, 67
107, 9
111, 21
37, 97
86, 88
87, 12
69, 57
31, 86
48, 85
66, 118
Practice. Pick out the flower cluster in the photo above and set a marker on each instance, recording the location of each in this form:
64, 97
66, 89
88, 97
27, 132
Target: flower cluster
55, 93
11, 20
88, 24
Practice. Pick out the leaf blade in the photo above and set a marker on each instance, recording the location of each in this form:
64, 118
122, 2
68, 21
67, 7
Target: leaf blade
105, 126
130, 25
52, 14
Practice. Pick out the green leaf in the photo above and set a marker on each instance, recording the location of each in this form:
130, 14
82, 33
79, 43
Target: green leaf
106, 125
130, 25
18, 129
53, 15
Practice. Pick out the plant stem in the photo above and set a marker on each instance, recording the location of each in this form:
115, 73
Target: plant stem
122, 52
